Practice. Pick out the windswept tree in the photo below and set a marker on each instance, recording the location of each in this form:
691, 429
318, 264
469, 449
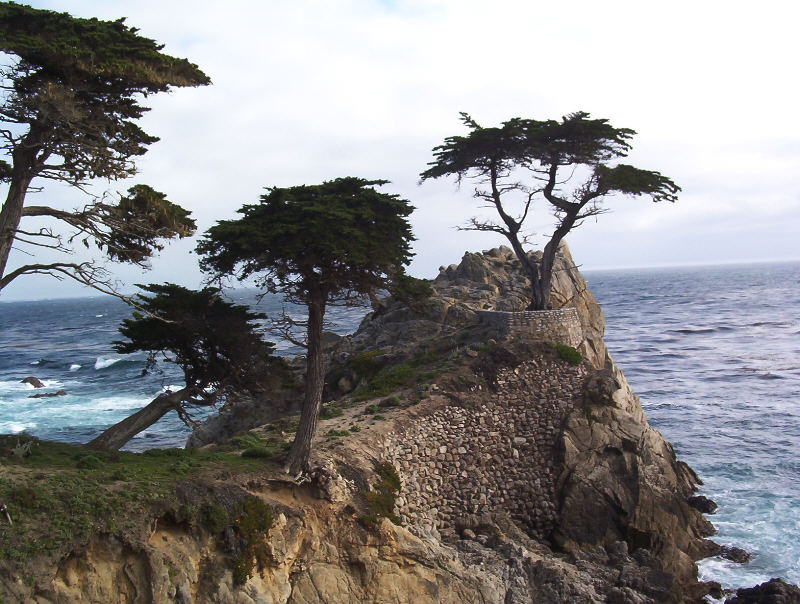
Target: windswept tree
570, 164
316, 245
216, 345
71, 95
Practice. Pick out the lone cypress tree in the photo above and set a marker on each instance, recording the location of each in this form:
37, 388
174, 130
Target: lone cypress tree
316, 245
567, 163
71, 96
213, 342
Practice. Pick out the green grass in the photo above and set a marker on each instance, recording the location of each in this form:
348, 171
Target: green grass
336, 434
62, 494
567, 353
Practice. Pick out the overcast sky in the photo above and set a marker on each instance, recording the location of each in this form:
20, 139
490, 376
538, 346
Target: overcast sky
307, 91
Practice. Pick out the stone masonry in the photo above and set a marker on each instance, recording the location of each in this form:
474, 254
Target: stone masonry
562, 325
495, 452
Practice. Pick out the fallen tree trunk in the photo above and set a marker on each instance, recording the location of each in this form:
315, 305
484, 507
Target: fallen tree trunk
120, 433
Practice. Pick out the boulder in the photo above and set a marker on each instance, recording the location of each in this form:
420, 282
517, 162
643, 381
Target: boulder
48, 394
702, 503
774, 591
33, 381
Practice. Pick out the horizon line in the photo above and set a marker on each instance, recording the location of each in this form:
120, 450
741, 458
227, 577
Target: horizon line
581, 267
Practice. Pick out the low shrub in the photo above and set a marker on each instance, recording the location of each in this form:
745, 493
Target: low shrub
214, 517
330, 411
258, 453
567, 353
367, 364
392, 401
252, 520
381, 498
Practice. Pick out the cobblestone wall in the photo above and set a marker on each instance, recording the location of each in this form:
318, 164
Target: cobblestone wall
562, 325
463, 461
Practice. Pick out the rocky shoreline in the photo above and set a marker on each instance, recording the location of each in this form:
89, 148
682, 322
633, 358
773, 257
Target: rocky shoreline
525, 475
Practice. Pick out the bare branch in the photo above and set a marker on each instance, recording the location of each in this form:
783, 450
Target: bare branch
477, 225
283, 327
561, 204
58, 246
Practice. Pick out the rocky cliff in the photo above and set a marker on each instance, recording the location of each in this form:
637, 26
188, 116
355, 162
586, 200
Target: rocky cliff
523, 478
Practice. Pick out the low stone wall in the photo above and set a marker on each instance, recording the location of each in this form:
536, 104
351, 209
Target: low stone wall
562, 325
495, 452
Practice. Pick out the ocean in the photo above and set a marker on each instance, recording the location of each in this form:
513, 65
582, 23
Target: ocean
713, 352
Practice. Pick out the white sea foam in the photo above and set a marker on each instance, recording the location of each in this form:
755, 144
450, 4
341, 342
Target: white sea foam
74, 367
103, 362
99, 406
15, 427
10, 386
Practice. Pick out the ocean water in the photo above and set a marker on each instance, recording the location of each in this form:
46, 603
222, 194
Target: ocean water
68, 345
714, 353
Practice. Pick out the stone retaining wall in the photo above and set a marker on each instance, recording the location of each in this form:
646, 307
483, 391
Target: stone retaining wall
562, 325
495, 452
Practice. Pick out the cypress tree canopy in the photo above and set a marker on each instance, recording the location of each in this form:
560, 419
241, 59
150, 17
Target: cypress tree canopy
75, 82
213, 341
340, 237
524, 160
71, 92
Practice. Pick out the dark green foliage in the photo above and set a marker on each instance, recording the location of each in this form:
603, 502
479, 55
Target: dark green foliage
213, 517
24, 497
213, 341
340, 238
88, 462
72, 90
331, 411
367, 364
392, 401
567, 353
316, 245
550, 152
411, 291
381, 498
77, 82
252, 520
387, 381
140, 222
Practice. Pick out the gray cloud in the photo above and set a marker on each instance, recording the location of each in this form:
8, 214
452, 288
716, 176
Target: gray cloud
311, 90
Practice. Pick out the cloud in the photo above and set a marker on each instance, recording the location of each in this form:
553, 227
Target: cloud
310, 90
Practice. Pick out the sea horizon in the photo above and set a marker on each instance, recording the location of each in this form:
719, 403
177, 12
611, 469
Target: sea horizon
580, 266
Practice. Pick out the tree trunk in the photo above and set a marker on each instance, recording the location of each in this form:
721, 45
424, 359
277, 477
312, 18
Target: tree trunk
530, 268
549, 256
120, 433
10, 216
300, 452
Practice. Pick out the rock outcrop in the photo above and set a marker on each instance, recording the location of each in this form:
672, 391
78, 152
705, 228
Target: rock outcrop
524, 478
774, 591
